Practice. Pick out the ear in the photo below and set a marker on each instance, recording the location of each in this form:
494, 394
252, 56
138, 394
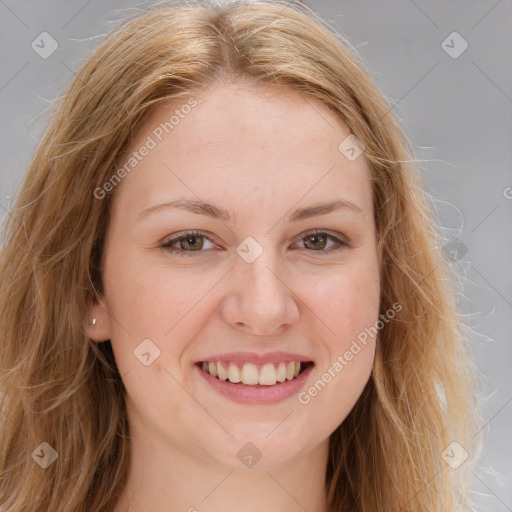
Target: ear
98, 322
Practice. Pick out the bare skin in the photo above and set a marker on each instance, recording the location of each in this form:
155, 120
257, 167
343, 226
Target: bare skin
260, 153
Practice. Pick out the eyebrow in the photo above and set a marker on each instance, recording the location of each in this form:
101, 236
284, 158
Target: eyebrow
209, 210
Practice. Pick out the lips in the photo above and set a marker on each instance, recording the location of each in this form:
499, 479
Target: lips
257, 394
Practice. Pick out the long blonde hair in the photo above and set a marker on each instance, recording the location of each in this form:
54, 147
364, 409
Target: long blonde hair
61, 388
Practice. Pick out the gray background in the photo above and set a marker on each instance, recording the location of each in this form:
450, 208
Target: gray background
457, 111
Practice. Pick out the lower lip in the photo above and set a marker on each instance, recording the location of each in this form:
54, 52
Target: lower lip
246, 394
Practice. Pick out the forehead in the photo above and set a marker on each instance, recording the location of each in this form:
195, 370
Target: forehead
260, 143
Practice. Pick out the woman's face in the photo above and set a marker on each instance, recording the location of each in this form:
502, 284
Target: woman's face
254, 288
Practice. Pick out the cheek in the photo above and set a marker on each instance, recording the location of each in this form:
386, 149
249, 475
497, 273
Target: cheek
346, 304
347, 322
149, 299
151, 313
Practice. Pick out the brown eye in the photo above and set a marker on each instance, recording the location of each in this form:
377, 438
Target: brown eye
187, 244
318, 241
193, 242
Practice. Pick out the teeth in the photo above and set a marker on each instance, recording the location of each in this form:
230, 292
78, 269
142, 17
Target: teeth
290, 371
234, 374
281, 373
250, 374
268, 375
222, 373
212, 368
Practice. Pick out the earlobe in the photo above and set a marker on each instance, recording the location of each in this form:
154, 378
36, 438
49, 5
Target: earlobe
98, 323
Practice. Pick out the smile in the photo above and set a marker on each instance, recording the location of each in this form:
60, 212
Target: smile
253, 374
253, 383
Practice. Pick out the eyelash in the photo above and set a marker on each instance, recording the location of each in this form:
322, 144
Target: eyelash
181, 252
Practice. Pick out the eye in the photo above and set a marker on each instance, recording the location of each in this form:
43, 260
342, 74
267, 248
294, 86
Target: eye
192, 242
318, 240
189, 242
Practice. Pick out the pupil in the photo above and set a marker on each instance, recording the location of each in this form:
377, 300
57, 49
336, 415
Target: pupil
189, 240
315, 238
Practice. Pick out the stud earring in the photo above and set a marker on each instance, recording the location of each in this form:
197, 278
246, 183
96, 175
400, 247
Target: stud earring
94, 322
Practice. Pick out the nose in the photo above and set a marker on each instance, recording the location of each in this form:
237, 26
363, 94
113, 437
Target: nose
261, 300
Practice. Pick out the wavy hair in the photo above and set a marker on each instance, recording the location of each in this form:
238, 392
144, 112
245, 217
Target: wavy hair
60, 387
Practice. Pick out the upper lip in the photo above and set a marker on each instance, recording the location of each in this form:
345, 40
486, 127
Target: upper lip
254, 357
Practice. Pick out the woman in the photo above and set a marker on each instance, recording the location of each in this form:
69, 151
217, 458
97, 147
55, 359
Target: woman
223, 288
